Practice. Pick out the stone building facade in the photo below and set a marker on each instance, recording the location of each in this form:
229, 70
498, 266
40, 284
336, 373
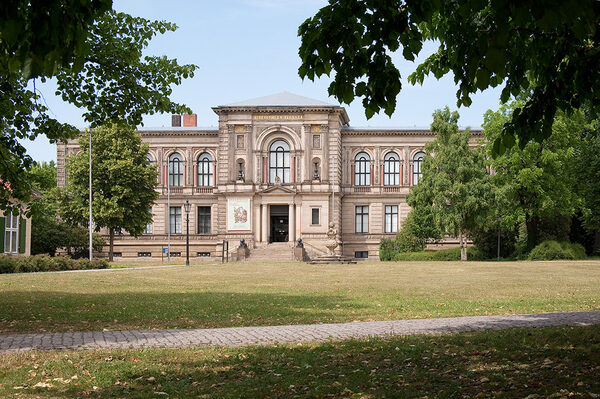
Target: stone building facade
276, 168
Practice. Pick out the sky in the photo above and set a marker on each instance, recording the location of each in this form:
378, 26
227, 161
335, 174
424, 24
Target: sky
249, 48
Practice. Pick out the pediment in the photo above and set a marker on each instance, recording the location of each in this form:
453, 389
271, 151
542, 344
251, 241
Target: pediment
278, 190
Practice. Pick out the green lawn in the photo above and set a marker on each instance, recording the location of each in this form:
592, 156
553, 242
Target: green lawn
557, 362
244, 294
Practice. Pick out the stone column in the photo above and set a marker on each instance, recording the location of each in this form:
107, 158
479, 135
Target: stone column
292, 223
256, 223
264, 225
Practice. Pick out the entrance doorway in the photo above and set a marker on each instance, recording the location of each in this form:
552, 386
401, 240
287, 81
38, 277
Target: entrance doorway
279, 223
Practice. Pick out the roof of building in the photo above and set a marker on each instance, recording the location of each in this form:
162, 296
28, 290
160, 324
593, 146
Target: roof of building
283, 99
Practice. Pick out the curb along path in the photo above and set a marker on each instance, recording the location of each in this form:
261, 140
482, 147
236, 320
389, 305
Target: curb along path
240, 336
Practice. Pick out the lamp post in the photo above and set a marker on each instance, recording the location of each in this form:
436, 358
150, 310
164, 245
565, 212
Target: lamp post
187, 232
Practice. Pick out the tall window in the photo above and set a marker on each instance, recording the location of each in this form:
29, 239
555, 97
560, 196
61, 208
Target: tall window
150, 159
362, 169
362, 219
175, 220
391, 218
417, 164
391, 169
204, 220
205, 169
11, 233
315, 216
148, 229
175, 170
279, 162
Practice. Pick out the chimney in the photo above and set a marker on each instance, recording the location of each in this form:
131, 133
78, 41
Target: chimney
176, 120
190, 120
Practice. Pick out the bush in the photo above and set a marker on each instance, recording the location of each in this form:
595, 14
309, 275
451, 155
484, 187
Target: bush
451, 254
551, 250
45, 263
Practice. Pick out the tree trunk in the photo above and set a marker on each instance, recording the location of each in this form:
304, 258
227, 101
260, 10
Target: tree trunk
531, 224
111, 241
596, 242
463, 245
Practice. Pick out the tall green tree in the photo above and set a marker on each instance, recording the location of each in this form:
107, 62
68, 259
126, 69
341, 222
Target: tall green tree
550, 48
455, 184
587, 179
535, 181
97, 57
123, 182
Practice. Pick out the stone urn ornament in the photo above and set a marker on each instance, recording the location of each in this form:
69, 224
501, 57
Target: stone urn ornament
332, 242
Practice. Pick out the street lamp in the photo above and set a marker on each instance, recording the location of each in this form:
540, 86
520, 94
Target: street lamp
186, 206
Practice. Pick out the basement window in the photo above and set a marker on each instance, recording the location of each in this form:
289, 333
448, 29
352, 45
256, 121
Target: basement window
361, 254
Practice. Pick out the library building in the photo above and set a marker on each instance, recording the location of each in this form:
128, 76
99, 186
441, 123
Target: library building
276, 169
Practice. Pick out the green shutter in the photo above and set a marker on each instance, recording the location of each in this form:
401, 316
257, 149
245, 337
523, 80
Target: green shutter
2, 224
22, 234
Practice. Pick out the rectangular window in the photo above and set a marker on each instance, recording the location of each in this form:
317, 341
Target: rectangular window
362, 219
240, 141
315, 216
118, 254
361, 254
11, 234
204, 220
175, 254
144, 254
148, 229
175, 220
203, 254
391, 218
316, 143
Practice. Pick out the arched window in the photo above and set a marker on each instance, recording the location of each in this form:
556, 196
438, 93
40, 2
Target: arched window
417, 164
279, 162
205, 169
175, 170
150, 159
391, 169
362, 169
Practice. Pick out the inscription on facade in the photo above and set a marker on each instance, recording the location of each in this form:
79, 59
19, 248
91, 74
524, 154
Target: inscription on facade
277, 117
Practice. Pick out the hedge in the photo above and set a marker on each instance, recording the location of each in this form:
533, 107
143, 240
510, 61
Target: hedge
451, 254
550, 250
45, 263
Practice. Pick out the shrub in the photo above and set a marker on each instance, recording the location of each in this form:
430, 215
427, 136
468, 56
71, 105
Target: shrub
44, 263
451, 254
550, 250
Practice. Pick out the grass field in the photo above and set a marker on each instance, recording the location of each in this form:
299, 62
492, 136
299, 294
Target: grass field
245, 294
558, 362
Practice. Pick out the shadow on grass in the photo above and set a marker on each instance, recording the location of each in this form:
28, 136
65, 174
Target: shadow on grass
511, 363
56, 311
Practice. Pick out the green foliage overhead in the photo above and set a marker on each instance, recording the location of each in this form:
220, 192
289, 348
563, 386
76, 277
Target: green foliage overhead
97, 58
549, 49
587, 172
123, 182
38, 37
455, 185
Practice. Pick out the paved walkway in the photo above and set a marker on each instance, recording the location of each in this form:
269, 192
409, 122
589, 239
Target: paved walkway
239, 336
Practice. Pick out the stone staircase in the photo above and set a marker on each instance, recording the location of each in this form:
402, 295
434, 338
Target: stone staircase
277, 251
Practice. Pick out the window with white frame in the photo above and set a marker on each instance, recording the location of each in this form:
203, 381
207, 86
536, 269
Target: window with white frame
362, 219
205, 170
391, 169
11, 234
175, 170
391, 218
175, 220
148, 229
362, 169
417, 165
279, 162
